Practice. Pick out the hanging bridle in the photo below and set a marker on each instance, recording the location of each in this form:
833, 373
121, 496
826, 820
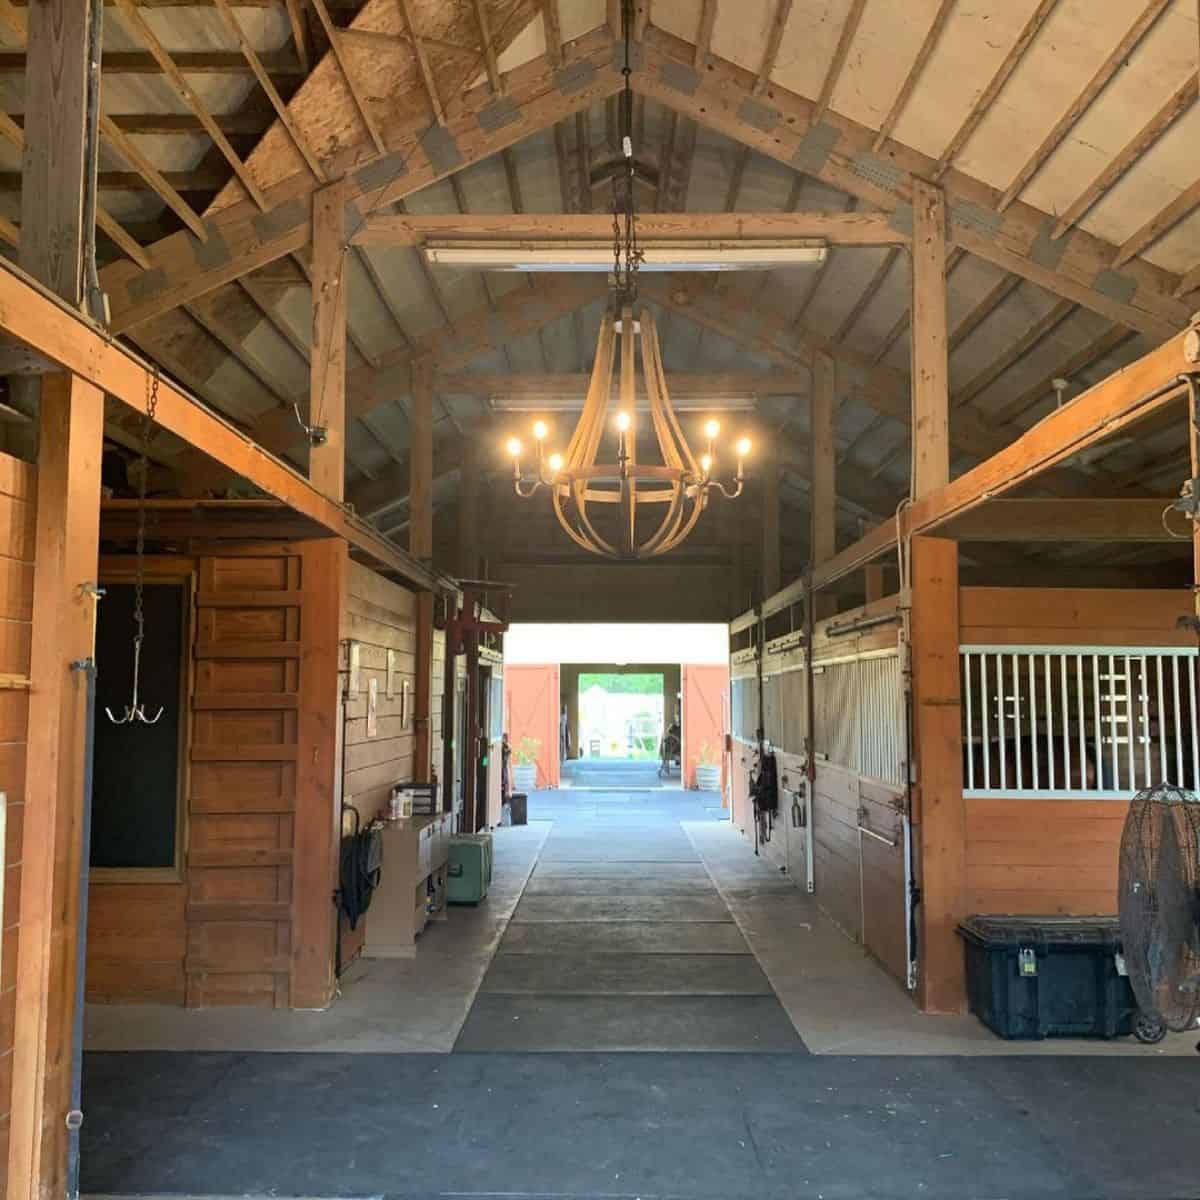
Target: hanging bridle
135, 710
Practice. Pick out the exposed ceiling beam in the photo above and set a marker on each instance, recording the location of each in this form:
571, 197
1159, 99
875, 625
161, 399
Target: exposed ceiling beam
1179, 102
1103, 75
932, 36
715, 385
838, 151
534, 100
779, 20
517, 314
841, 53
984, 101
1084, 520
193, 62
842, 229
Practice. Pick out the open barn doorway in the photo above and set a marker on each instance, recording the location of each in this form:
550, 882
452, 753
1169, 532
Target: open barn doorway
603, 706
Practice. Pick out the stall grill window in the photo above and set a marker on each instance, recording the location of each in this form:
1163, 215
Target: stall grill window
1078, 721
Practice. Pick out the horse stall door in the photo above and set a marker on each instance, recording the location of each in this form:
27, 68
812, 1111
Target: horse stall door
881, 857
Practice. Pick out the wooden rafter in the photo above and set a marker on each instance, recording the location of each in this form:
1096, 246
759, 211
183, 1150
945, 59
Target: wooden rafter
1075, 110
1180, 100
1159, 225
553, 29
714, 98
1107, 343
536, 101
128, 149
886, 263
845, 228
339, 53
299, 33
120, 237
704, 32
1031, 338
779, 20
518, 314
984, 309
928, 46
427, 76
187, 94
299, 140
996, 84
191, 62
840, 54
490, 60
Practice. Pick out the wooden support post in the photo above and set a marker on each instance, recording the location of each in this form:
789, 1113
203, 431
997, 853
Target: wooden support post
823, 452
930, 366
937, 750
327, 386
420, 463
68, 530
468, 511
771, 576
53, 164
317, 821
873, 577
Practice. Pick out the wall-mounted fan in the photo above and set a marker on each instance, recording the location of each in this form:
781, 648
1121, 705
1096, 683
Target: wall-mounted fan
1160, 909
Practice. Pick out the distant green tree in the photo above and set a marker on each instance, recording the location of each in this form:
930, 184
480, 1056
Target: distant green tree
616, 684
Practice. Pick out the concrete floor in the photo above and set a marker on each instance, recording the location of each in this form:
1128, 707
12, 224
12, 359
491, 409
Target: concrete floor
581, 945
608, 774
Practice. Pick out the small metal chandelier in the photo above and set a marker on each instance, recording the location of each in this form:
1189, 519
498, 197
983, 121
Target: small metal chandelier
680, 484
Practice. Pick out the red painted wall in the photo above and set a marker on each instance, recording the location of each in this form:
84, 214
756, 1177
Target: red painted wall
531, 710
705, 715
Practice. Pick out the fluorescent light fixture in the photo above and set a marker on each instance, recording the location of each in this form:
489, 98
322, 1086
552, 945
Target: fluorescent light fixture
595, 256
682, 404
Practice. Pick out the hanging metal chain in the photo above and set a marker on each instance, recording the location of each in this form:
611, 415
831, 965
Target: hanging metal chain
627, 255
139, 586
136, 711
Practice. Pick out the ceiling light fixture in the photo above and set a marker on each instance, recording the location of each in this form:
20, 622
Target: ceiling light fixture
657, 504
595, 256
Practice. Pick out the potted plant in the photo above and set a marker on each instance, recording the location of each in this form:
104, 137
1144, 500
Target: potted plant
708, 769
524, 764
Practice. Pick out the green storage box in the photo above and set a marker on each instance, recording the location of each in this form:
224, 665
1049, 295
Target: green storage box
469, 873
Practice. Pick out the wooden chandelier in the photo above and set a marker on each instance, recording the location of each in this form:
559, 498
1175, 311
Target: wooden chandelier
677, 487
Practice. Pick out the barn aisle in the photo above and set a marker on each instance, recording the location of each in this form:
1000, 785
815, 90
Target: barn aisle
621, 941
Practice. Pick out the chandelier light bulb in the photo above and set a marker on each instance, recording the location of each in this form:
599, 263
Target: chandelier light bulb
539, 430
623, 421
556, 462
711, 429
706, 463
514, 447
743, 447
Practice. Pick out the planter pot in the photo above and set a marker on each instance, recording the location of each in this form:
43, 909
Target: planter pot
708, 778
524, 777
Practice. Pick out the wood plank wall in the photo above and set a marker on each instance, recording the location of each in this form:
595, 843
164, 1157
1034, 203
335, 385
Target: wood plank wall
223, 933
18, 513
245, 750
379, 616
1048, 854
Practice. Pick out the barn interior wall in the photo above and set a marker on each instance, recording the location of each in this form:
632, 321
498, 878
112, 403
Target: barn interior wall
378, 620
18, 514
233, 928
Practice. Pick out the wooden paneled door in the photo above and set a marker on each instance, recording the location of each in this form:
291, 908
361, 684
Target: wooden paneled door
531, 706
263, 747
705, 691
